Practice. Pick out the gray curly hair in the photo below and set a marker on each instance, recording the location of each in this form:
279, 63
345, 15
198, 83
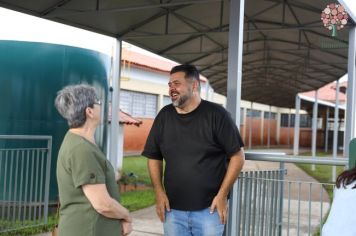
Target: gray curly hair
72, 101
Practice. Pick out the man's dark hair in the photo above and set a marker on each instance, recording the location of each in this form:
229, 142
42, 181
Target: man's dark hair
191, 72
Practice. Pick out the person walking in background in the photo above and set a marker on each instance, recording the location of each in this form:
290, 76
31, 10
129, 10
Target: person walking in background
203, 152
341, 219
88, 192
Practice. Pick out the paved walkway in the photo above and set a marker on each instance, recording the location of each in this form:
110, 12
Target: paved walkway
146, 223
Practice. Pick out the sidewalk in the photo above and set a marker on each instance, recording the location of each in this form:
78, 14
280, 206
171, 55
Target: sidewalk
146, 223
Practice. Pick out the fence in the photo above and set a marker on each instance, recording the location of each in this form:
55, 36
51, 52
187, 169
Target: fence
260, 207
24, 180
265, 203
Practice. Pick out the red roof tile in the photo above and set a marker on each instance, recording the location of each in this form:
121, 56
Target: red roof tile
128, 119
149, 62
146, 60
125, 118
327, 93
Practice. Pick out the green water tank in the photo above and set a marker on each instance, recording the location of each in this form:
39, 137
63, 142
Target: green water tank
31, 73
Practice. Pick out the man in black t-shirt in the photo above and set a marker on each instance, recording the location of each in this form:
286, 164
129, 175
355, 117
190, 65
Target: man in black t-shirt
203, 152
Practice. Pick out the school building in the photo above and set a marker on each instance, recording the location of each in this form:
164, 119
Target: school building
144, 91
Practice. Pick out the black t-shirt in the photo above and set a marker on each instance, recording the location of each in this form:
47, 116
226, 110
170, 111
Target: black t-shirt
196, 147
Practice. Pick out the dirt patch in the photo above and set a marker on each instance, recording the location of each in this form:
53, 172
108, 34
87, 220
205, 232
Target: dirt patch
133, 187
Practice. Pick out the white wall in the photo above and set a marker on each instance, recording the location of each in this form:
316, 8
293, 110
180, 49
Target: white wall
155, 82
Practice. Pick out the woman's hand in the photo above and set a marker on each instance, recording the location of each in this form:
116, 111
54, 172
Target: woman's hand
126, 227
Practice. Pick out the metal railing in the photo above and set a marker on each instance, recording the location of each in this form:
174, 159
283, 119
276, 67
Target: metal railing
25, 162
268, 204
259, 208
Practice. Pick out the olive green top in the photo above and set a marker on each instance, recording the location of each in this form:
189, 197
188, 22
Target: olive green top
79, 163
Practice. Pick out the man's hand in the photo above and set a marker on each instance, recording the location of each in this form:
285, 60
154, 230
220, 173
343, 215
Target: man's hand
126, 227
155, 168
220, 204
162, 204
220, 201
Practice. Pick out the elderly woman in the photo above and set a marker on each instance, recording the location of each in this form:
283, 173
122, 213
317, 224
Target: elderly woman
88, 191
341, 219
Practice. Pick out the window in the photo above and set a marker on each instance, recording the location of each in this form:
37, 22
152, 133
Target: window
138, 104
305, 120
166, 100
273, 115
254, 113
284, 120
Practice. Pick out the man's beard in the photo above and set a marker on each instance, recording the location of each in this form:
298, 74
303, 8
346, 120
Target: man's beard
183, 98
180, 101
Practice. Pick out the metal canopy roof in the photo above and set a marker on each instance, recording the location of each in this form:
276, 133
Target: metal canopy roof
286, 47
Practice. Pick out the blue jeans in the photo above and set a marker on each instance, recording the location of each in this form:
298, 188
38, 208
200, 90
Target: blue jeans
192, 223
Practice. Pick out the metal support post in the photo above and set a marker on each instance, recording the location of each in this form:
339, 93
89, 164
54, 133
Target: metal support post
207, 90
336, 128
278, 128
236, 25
296, 126
350, 129
326, 130
314, 127
113, 156
244, 124
269, 128
288, 138
250, 128
262, 126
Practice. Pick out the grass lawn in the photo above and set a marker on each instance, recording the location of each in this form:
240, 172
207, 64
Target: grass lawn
322, 173
52, 221
135, 200
138, 166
